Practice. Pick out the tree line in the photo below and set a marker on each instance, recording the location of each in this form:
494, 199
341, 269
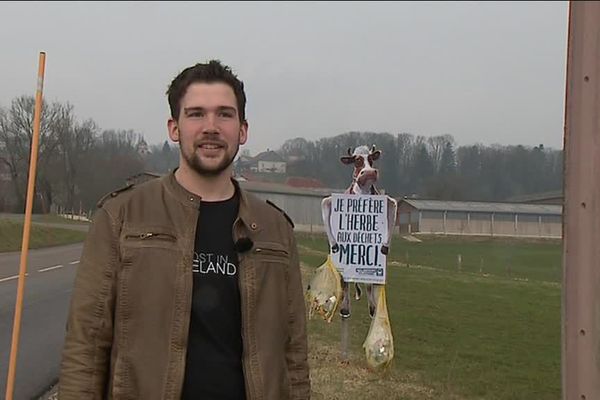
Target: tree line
78, 162
432, 167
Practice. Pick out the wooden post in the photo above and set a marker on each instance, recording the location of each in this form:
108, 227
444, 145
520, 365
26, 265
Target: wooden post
345, 335
445, 218
14, 348
581, 252
481, 266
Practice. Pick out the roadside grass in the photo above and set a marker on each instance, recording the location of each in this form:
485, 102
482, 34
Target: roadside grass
457, 335
55, 219
11, 236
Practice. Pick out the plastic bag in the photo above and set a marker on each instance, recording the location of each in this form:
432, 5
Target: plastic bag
324, 292
379, 344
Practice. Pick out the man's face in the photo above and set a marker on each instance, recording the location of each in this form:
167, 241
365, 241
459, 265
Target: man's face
208, 129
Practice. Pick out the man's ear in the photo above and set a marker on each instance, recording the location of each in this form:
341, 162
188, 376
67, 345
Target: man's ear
173, 130
244, 132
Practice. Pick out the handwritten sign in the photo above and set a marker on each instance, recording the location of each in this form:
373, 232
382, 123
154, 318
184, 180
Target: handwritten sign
360, 227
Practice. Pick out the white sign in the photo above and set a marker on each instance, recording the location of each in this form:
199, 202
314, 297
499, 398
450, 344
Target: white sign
360, 227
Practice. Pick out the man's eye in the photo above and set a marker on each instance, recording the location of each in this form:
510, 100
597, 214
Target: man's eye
226, 114
195, 114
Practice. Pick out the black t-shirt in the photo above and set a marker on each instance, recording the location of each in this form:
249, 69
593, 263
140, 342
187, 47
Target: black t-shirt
214, 353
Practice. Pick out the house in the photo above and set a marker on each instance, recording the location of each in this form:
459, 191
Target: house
270, 161
142, 147
265, 162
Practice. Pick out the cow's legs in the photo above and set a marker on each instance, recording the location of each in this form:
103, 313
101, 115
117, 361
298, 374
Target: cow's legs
345, 306
372, 298
357, 292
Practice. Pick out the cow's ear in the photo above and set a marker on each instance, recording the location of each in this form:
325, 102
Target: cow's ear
375, 155
347, 160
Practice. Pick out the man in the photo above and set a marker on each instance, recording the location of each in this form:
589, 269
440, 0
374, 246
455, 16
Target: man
188, 287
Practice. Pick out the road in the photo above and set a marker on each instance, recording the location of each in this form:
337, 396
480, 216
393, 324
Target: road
48, 288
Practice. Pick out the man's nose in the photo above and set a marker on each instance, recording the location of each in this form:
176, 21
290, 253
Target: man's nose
210, 125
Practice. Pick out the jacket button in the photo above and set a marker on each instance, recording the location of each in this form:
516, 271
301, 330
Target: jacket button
253, 225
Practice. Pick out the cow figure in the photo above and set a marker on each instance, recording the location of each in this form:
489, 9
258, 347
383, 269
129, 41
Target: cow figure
364, 178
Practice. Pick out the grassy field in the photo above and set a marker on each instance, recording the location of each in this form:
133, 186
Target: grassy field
458, 335
533, 259
11, 235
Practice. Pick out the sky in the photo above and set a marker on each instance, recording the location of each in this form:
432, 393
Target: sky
483, 72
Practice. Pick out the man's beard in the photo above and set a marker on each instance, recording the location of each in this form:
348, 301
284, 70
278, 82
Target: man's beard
194, 161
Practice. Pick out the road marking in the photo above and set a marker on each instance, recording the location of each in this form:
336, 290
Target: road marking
74, 262
11, 277
50, 268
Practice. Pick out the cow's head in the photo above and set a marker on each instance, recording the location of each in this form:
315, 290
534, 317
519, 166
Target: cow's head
364, 176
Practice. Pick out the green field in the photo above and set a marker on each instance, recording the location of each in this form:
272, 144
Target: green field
538, 259
458, 334
11, 236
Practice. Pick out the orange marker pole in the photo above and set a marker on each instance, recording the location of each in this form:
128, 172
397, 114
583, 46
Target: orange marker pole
10, 384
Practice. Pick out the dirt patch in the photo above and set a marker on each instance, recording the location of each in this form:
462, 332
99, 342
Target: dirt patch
333, 380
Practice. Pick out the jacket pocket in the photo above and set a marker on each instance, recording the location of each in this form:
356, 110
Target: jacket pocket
149, 237
271, 264
152, 263
273, 251
135, 238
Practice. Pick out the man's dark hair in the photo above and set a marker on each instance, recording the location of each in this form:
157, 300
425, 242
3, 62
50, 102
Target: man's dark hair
211, 72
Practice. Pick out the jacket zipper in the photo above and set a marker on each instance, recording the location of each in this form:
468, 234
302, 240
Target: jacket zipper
149, 235
277, 252
245, 344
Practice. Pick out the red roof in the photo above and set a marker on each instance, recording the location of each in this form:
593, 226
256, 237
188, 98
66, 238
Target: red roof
297, 181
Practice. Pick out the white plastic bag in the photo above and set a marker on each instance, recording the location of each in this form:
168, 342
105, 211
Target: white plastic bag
379, 344
324, 292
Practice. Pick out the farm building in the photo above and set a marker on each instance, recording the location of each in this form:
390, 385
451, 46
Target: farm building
554, 197
303, 205
479, 218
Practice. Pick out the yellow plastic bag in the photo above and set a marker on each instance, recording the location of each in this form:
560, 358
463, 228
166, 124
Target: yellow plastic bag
379, 344
324, 292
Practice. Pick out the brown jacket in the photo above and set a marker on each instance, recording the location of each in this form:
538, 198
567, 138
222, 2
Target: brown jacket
128, 323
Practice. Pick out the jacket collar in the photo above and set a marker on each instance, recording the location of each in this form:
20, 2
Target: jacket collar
189, 199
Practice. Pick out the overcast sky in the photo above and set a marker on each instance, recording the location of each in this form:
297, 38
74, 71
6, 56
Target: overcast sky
482, 72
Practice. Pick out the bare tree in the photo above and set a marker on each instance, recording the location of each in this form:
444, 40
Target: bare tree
436, 146
16, 136
75, 142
